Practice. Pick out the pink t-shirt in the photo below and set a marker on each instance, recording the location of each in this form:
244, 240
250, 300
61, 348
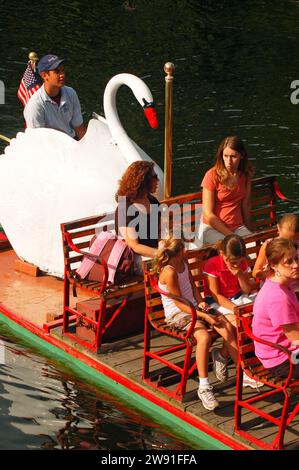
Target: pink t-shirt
227, 201
227, 282
275, 305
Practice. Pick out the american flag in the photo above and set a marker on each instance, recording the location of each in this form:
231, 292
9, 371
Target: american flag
30, 83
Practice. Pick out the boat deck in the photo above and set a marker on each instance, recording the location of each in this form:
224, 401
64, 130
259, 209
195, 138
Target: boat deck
39, 299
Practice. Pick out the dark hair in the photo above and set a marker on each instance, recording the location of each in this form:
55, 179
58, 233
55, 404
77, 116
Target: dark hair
276, 250
232, 245
136, 181
245, 166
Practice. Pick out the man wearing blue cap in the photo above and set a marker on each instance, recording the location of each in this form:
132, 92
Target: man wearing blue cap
55, 105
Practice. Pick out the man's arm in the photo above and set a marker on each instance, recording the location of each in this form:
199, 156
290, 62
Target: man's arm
77, 118
80, 131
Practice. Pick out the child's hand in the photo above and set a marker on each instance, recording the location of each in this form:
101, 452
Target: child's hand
235, 270
203, 306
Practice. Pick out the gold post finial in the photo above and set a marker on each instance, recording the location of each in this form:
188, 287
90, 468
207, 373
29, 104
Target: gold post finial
33, 58
168, 69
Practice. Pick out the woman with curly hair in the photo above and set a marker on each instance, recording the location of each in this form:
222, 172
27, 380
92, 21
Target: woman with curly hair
226, 192
137, 217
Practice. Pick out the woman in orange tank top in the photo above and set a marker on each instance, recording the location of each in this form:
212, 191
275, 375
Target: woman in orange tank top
226, 192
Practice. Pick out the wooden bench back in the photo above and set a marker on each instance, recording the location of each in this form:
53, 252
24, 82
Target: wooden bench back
196, 259
153, 301
185, 210
80, 232
254, 242
264, 204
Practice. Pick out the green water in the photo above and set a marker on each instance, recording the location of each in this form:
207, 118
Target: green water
48, 401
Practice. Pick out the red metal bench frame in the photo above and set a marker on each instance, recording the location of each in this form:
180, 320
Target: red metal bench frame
249, 363
154, 318
77, 235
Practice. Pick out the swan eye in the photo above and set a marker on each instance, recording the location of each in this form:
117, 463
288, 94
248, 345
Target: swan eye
148, 104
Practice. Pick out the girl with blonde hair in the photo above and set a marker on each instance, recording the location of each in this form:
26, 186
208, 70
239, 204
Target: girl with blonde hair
174, 277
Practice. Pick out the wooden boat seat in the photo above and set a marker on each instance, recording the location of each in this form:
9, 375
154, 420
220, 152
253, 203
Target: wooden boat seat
184, 209
282, 388
267, 201
198, 257
76, 237
155, 320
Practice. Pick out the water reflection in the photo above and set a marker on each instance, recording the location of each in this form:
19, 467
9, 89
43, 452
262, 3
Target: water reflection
43, 406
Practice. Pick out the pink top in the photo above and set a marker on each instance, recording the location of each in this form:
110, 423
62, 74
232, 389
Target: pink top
275, 305
228, 283
227, 201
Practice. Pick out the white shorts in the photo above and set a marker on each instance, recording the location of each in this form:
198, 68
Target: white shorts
211, 236
180, 320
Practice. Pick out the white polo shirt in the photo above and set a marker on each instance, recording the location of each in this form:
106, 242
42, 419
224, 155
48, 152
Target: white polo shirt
42, 111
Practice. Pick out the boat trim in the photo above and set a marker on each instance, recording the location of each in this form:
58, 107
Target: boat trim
197, 431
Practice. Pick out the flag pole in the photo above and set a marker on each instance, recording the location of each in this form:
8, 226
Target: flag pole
168, 69
3, 137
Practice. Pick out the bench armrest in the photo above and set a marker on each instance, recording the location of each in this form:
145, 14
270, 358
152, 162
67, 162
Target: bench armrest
90, 256
282, 196
249, 333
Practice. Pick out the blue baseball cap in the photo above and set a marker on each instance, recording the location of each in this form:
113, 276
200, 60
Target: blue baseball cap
48, 62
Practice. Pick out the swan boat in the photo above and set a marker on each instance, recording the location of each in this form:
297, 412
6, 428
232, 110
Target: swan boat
48, 178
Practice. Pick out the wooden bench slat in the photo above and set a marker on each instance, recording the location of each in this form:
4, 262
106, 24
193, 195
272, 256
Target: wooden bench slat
154, 301
84, 233
74, 259
157, 315
256, 213
86, 221
263, 223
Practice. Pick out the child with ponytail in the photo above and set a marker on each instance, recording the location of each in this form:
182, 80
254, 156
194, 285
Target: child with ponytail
174, 277
227, 277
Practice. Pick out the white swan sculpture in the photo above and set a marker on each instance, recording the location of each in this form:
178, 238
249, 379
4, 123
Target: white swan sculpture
46, 177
